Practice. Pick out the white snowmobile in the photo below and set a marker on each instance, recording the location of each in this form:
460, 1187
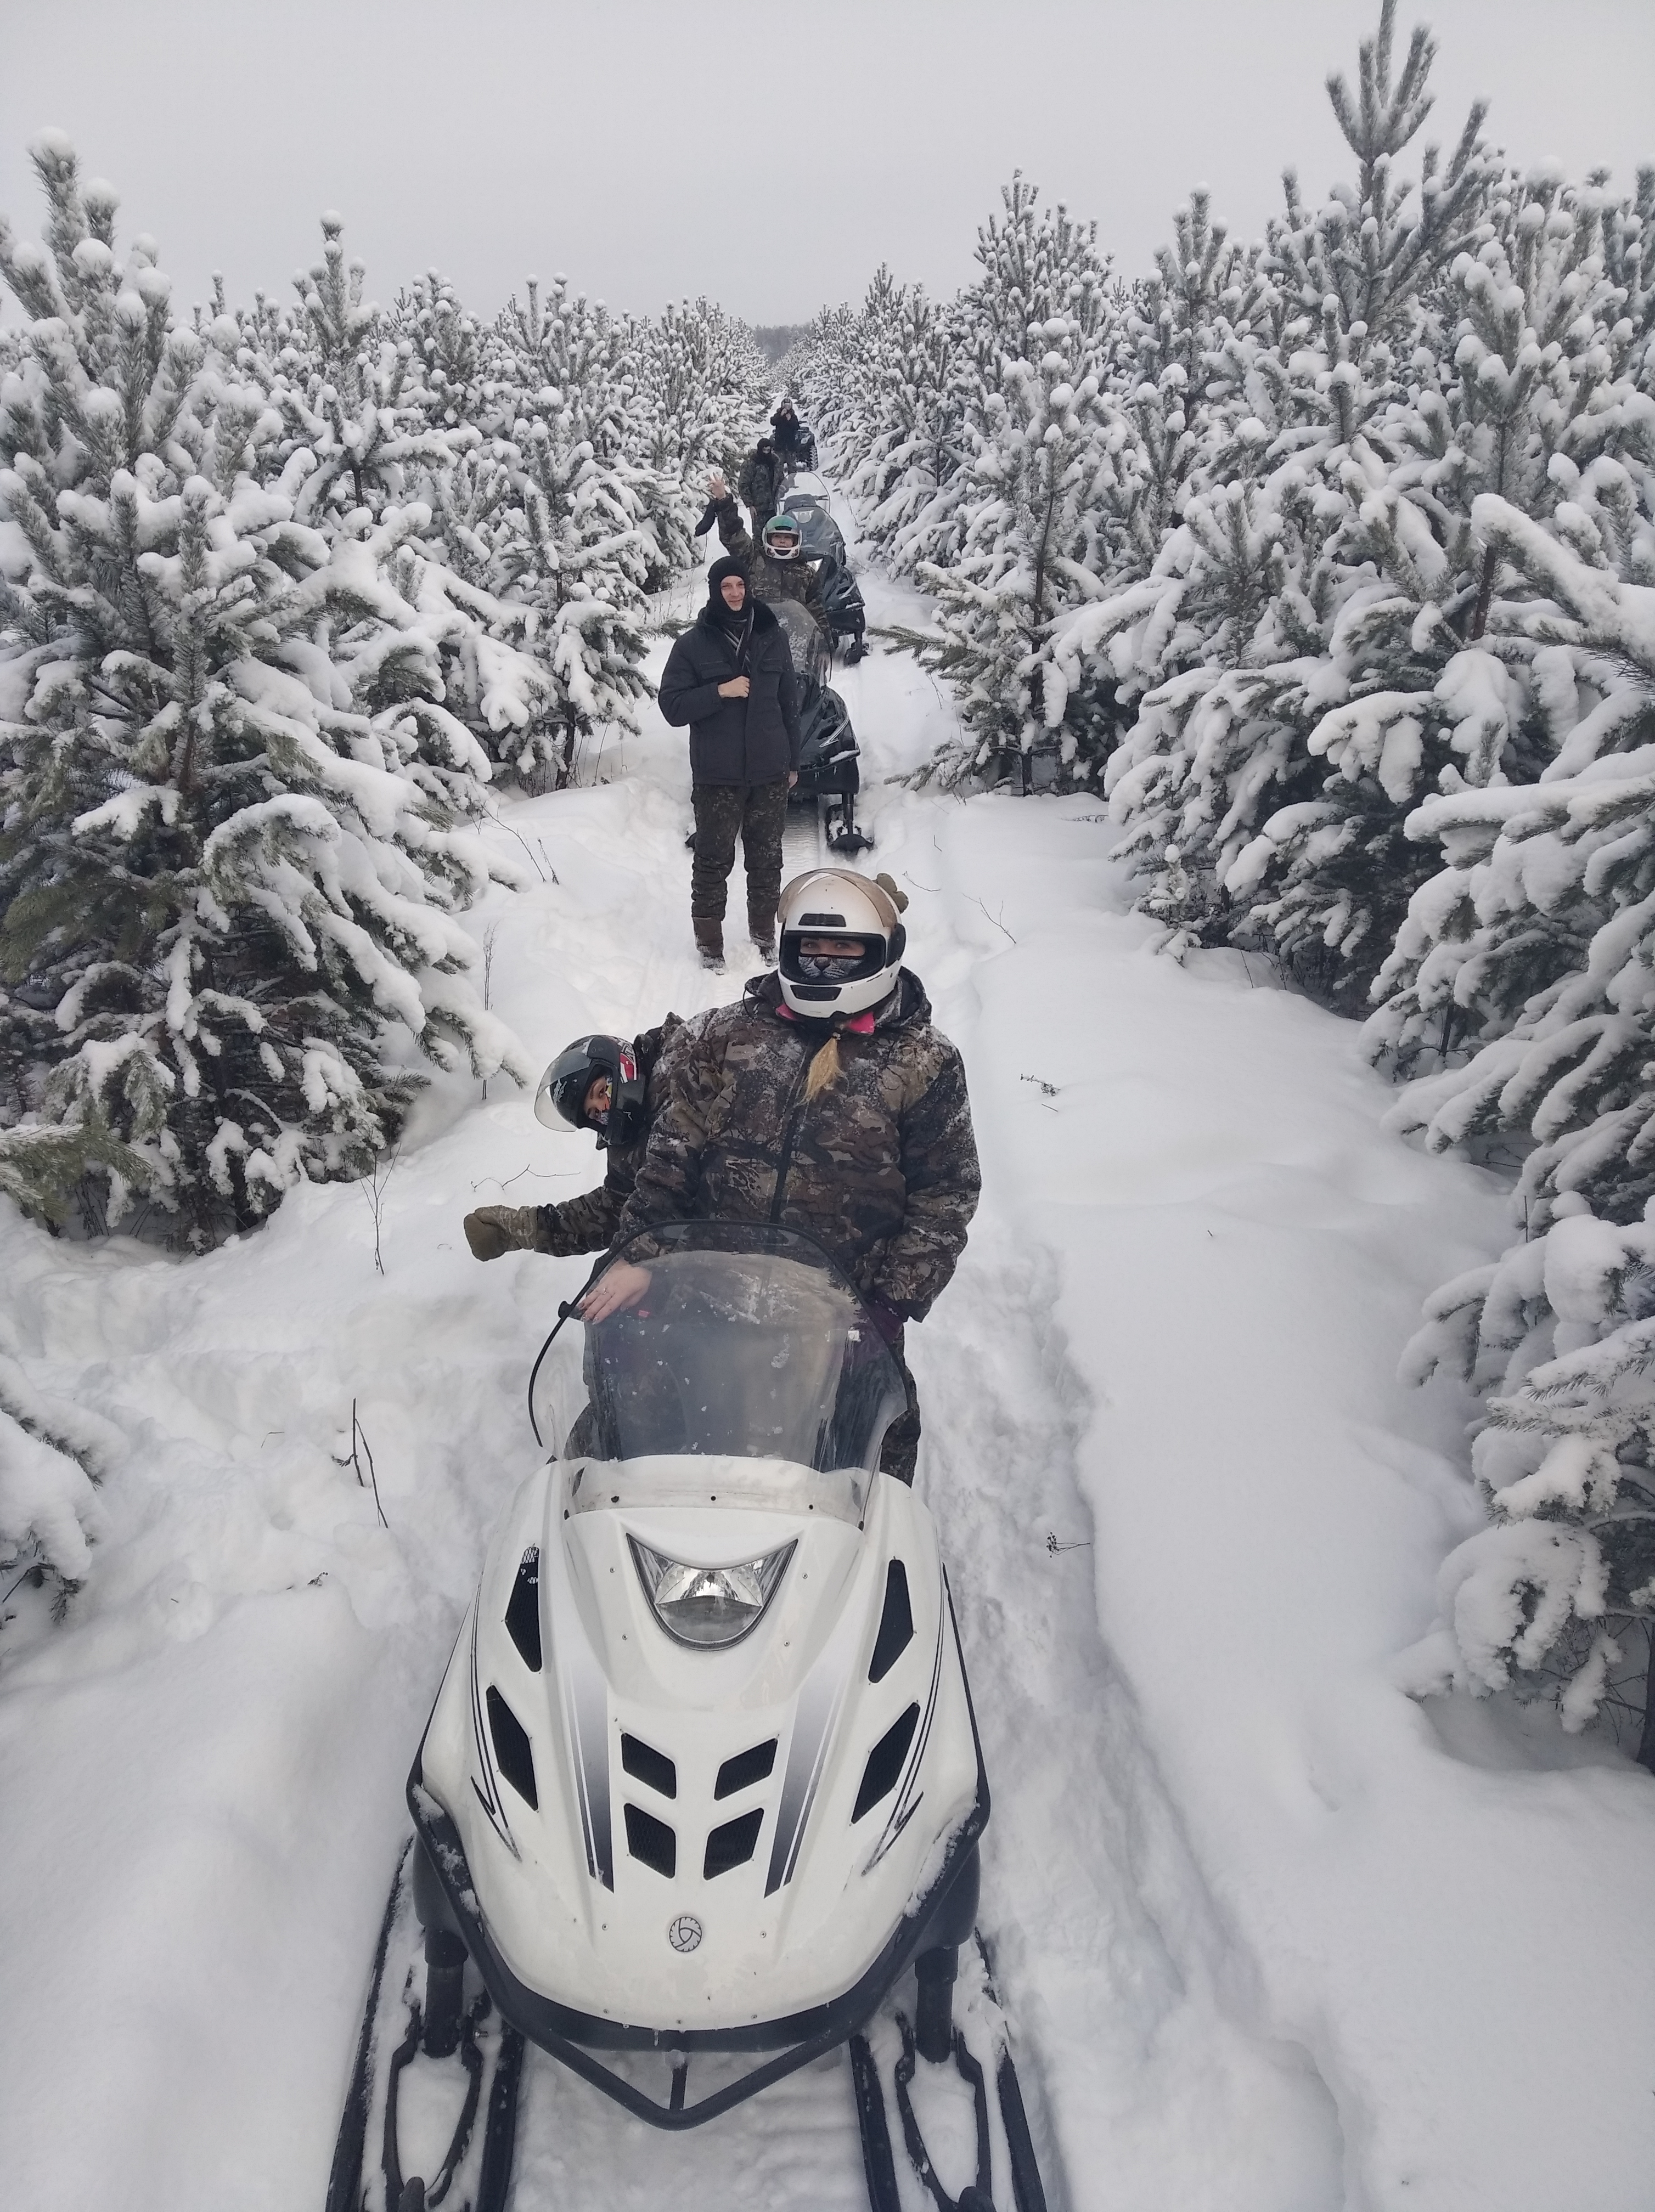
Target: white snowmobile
701, 1792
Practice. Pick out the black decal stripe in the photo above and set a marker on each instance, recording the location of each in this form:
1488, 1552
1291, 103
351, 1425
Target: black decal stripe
903, 1810
488, 1798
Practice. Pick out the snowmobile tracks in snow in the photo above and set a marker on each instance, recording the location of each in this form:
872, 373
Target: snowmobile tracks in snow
417, 2106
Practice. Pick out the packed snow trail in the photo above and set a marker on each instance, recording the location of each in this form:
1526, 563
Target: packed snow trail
1274, 1939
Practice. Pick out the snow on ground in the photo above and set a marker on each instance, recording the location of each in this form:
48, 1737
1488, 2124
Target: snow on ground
1276, 1939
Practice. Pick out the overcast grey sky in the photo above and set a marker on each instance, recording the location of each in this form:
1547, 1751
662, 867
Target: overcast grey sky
769, 157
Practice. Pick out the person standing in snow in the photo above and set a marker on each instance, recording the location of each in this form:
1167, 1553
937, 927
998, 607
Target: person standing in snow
730, 678
760, 484
612, 1086
773, 564
825, 1100
793, 442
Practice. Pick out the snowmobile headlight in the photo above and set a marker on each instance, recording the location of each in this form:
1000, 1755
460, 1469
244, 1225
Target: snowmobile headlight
709, 1605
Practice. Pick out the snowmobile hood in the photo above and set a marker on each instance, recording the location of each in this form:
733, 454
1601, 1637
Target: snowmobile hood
705, 1741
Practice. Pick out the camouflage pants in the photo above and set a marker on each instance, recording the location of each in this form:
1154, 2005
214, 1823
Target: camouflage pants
757, 813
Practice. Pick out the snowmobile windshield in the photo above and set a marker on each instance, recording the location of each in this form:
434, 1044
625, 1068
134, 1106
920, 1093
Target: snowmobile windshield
803, 639
748, 1345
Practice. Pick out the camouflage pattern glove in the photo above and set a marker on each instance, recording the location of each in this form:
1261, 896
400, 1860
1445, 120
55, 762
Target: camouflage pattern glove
494, 1230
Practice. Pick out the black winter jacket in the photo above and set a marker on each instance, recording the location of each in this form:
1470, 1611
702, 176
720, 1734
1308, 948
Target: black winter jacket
751, 740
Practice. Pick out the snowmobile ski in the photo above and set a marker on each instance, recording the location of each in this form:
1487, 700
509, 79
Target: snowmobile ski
428, 2039
933, 2039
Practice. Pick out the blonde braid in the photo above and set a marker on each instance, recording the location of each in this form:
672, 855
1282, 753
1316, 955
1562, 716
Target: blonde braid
824, 1069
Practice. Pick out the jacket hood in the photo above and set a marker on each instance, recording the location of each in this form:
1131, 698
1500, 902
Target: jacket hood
907, 1004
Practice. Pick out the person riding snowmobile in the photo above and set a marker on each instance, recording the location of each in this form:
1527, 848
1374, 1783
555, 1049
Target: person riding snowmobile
827, 1100
759, 486
775, 565
614, 1087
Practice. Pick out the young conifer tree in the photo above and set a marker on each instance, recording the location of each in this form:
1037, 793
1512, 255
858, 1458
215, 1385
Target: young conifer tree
238, 818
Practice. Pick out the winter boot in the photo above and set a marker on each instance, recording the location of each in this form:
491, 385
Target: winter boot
761, 926
710, 938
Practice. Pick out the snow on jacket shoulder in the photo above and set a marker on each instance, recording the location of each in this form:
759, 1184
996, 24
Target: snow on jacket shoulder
880, 1167
587, 1224
768, 579
751, 740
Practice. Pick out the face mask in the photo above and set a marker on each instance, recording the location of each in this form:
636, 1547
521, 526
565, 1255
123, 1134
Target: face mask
817, 968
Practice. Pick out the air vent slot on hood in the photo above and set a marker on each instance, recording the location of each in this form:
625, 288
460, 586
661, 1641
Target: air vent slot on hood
523, 1611
652, 1841
744, 1768
895, 1624
512, 1748
646, 1764
733, 1845
885, 1762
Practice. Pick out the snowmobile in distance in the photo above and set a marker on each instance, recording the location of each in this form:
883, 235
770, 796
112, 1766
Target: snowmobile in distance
821, 540
829, 771
700, 1798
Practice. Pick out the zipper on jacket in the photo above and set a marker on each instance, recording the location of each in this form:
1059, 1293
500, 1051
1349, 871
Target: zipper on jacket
790, 1133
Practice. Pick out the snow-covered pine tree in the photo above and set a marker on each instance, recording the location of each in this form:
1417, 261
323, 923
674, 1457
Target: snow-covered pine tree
1293, 620
53, 1455
577, 545
237, 816
1557, 1597
1024, 499
703, 388
374, 414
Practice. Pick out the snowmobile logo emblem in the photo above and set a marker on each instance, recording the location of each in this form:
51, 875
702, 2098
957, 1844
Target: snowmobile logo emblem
684, 1933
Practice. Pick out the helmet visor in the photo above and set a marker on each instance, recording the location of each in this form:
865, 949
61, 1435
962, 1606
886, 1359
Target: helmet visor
811, 957
561, 1100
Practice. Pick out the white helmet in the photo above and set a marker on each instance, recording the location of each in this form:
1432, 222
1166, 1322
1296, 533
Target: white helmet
838, 903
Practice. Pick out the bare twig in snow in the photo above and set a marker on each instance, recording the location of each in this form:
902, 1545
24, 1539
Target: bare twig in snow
372, 1188
359, 1444
995, 918
489, 936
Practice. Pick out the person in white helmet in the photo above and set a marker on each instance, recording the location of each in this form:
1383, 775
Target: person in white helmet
825, 1100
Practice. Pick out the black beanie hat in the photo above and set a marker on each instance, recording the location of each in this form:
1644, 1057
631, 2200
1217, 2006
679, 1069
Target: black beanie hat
715, 576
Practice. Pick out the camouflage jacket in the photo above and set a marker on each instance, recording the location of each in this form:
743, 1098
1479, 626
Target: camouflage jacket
763, 476
880, 1167
771, 579
587, 1224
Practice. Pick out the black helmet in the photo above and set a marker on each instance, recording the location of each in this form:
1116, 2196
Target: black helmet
560, 1103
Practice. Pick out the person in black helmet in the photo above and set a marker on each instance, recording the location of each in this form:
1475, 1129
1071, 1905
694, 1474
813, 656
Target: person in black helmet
730, 678
612, 1086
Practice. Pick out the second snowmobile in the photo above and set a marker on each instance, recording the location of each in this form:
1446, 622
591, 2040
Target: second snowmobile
821, 540
829, 765
701, 1795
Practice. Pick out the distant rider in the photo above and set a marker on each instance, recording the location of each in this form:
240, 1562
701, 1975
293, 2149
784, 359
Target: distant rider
612, 1086
760, 485
730, 678
793, 442
825, 1101
775, 567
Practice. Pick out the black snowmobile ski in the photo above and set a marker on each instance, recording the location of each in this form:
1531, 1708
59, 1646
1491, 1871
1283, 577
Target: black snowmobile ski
934, 2039
417, 2014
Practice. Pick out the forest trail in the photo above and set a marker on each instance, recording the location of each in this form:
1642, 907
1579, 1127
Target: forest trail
1189, 1519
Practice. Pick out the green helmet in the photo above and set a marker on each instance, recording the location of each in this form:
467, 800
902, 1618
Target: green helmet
781, 526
